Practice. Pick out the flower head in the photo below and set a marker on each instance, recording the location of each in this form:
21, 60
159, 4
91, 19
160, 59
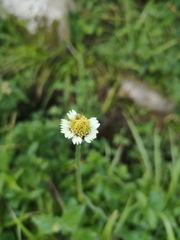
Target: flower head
79, 128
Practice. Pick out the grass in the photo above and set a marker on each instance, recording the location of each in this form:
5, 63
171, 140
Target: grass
130, 174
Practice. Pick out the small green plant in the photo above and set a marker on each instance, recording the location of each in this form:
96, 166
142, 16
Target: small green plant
130, 175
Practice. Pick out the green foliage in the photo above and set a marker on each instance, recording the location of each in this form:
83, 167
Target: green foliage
131, 172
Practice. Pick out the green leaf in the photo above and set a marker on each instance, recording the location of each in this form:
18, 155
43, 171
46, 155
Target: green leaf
47, 224
156, 200
7, 236
72, 217
109, 226
142, 198
152, 218
85, 233
69, 221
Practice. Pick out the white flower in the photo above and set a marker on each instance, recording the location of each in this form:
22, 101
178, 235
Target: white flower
79, 128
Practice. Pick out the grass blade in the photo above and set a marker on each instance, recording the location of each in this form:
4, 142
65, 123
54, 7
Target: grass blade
125, 214
157, 159
168, 226
141, 147
109, 226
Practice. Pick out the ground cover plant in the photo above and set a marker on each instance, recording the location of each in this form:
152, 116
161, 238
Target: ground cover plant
130, 172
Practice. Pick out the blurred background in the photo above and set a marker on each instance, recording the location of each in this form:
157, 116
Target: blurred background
115, 60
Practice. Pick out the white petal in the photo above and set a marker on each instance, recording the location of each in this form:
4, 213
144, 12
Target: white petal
77, 140
68, 134
64, 122
90, 137
64, 130
87, 139
64, 125
94, 123
93, 131
72, 114
92, 134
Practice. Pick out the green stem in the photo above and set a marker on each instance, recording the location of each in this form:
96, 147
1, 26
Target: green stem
78, 173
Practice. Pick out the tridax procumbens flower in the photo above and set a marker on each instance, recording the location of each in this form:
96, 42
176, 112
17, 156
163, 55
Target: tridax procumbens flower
79, 128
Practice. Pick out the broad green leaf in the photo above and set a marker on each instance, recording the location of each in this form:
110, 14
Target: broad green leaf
72, 217
47, 224
85, 233
156, 200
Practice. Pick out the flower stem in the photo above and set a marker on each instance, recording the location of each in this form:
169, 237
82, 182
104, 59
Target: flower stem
78, 173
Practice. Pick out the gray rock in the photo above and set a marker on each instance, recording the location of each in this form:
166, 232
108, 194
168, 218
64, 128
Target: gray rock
36, 11
141, 94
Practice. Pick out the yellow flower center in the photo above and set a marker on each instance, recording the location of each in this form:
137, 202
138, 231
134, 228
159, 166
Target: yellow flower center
80, 125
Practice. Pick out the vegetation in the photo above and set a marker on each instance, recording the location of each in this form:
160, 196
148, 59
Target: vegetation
130, 173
